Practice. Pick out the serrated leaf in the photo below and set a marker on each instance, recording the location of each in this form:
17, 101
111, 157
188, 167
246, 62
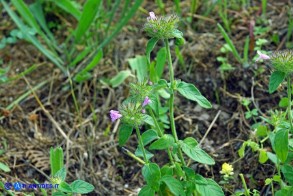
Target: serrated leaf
211, 188
173, 184
61, 174
149, 136
163, 143
146, 191
196, 153
282, 144
166, 170
125, 132
64, 187
190, 92
276, 79
81, 187
152, 174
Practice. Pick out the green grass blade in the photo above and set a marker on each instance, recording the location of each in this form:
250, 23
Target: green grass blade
119, 26
80, 56
28, 17
88, 15
230, 43
37, 11
112, 13
55, 59
26, 14
69, 7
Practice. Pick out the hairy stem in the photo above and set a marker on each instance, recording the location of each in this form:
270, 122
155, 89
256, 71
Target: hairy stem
161, 134
171, 101
141, 144
289, 100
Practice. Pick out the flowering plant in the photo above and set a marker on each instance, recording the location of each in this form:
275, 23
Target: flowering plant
143, 109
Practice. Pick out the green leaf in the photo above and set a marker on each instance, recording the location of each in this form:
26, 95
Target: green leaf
276, 79
4, 167
173, 184
148, 119
139, 65
177, 34
139, 153
80, 76
196, 153
37, 10
26, 14
87, 17
190, 141
125, 132
287, 170
149, 136
146, 191
119, 78
178, 170
65, 187
211, 188
61, 174
81, 187
164, 142
262, 131
166, 170
69, 7
152, 174
189, 91
230, 43
56, 160
282, 144
284, 102
150, 46
190, 173
263, 157
160, 62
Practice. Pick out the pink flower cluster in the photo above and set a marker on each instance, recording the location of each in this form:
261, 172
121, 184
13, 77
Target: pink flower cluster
152, 16
262, 56
114, 114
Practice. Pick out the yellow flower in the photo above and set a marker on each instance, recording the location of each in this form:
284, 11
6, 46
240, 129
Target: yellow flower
227, 170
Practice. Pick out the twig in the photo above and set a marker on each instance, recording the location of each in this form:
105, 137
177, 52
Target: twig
210, 127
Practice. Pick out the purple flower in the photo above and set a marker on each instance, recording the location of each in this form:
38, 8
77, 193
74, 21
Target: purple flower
146, 101
152, 16
114, 114
262, 56
143, 111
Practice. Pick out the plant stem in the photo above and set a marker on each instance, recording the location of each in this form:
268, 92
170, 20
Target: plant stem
141, 144
246, 192
161, 134
171, 101
133, 156
289, 100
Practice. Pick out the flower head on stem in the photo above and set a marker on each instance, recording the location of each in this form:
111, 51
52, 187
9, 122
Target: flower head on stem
227, 170
146, 101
